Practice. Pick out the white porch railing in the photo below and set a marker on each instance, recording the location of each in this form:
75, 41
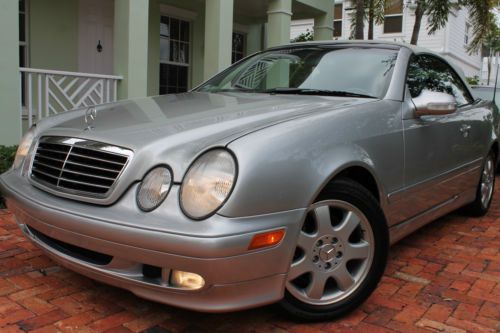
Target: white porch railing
47, 92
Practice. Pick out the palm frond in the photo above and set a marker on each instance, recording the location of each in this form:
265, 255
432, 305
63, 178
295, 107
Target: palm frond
479, 15
379, 10
437, 14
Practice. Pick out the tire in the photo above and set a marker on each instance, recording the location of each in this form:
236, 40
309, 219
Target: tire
485, 189
340, 256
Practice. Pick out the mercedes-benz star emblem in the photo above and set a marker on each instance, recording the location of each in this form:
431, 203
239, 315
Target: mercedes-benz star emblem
90, 117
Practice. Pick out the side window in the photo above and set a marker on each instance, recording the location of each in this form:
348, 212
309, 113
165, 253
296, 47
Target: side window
430, 73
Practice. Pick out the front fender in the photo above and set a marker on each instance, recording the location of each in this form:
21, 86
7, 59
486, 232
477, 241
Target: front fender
284, 167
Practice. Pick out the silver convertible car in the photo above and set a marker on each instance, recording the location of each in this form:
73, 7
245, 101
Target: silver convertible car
285, 178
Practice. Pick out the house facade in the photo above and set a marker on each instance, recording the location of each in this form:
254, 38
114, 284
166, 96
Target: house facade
451, 42
59, 55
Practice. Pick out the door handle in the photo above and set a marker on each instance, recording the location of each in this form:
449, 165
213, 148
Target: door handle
465, 130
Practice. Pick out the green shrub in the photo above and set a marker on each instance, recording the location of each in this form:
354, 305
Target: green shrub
304, 37
473, 80
7, 155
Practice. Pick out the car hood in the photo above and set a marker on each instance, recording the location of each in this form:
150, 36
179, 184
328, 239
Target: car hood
185, 117
181, 126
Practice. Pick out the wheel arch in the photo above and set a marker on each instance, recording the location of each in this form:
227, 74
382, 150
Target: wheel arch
360, 173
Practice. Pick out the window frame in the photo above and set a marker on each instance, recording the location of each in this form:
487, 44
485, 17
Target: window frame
169, 62
26, 54
395, 15
171, 13
244, 49
25, 43
337, 20
450, 67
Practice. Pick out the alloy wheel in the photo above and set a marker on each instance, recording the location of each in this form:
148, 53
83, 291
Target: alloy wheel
334, 253
487, 181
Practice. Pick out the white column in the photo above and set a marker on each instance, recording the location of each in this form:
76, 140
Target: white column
218, 36
279, 17
131, 47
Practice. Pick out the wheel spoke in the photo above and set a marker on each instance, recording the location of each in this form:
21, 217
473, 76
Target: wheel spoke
323, 220
489, 167
343, 278
484, 188
306, 241
298, 268
349, 223
316, 288
484, 191
357, 251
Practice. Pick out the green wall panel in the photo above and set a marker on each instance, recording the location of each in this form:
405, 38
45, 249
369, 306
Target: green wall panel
53, 37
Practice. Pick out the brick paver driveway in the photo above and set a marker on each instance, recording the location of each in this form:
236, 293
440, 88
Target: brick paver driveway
444, 278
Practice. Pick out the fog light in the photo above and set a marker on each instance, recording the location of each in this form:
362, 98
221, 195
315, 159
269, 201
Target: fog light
186, 280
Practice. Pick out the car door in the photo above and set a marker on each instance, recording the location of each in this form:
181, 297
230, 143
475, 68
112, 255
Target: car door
438, 148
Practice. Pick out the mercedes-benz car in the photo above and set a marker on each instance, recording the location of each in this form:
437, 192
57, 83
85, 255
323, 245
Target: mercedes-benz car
284, 178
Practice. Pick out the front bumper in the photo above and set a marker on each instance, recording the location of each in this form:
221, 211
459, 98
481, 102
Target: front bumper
216, 248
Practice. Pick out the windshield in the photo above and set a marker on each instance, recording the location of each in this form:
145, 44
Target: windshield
344, 71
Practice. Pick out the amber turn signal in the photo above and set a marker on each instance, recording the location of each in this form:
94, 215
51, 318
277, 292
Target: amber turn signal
266, 239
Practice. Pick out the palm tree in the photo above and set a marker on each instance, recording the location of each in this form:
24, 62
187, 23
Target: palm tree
437, 12
491, 43
370, 10
359, 19
376, 11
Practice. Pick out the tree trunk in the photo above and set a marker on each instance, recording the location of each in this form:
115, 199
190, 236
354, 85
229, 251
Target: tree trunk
371, 11
360, 16
419, 13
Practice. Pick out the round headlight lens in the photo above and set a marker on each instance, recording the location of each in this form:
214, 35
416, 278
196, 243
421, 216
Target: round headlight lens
208, 183
154, 188
24, 147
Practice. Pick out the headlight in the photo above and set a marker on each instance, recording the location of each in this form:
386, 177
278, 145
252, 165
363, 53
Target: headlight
154, 188
208, 183
24, 147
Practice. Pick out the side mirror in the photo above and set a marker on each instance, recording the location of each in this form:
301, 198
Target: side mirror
432, 103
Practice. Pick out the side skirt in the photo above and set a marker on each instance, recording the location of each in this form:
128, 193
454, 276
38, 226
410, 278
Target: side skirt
407, 227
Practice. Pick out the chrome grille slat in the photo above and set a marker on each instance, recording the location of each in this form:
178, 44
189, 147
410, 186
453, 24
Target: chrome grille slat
46, 174
90, 166
52, 150
78, 166
95, 159
87, 175
82, 183
49, 158
48, 166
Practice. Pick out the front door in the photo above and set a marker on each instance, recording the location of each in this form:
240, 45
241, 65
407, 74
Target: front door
95, 51
438, 152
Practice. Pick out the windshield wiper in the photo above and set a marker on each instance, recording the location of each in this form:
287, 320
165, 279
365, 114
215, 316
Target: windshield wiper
235, 90
320, 92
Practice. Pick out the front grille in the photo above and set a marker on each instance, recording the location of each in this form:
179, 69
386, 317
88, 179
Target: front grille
78, 166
